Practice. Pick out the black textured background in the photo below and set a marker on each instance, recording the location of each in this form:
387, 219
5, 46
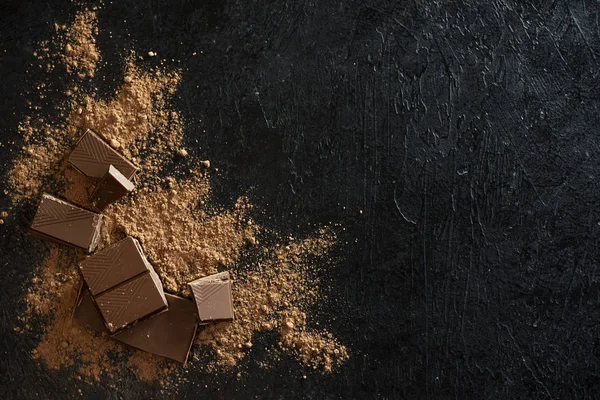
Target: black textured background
466, 131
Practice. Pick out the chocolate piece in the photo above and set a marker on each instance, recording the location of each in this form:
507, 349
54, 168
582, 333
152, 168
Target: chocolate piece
123, 283
213, 297
169, 334
114, 265
66, 223
93, 157
111, 188
135, 299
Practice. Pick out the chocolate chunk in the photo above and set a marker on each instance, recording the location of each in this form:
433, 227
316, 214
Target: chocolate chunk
213, 297
93, 157
66, 223
169, 334
111, 188
124, 285
131, 301
114, 265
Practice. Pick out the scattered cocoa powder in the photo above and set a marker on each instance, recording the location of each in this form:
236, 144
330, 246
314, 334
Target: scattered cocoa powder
182, 240
136, 117
53, 294
149, 367
80, 54
267, 297
183, 233
317, 349
138, 114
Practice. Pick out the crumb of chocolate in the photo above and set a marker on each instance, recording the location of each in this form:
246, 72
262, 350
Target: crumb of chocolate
4, 214
139, 113
206, 163
114, 143
316, 349
182, 152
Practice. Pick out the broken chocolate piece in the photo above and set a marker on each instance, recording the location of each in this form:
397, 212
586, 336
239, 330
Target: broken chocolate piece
66, 223
135, 299
111, 188
113, 265
169, 334
124, 284
213, 297
93, 157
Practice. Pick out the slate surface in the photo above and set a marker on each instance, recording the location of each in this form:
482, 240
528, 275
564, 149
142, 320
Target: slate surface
466, 131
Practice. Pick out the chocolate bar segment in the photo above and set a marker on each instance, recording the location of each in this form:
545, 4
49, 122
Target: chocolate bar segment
93, 157
213, 297
66, 223
169, 334
135, 299
111, 188
114, 265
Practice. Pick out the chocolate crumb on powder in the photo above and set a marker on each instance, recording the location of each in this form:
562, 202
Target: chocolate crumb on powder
184, 235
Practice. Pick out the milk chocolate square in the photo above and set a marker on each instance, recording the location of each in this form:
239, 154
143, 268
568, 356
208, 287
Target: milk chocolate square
131, 301
66, 223
123, 284
113, 265
93, 157
213, 297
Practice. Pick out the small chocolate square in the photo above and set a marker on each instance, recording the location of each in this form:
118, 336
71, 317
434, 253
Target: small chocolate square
93, 157
135, 299
111, 188
213, 297
123, 284
113, 265
66, 223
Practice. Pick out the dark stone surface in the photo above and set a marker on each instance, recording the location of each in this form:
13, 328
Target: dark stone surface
466, 131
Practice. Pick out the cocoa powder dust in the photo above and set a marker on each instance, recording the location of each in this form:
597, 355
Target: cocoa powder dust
185, 235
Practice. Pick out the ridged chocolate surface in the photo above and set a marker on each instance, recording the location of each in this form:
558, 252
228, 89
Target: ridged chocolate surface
113, 265
66, 223
213, 297
93, 157
133, 300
